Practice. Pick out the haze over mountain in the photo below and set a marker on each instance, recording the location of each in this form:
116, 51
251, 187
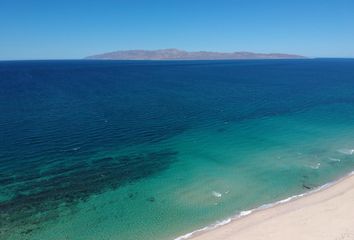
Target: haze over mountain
176, 54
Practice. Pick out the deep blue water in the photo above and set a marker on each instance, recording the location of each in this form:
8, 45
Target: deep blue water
59, 117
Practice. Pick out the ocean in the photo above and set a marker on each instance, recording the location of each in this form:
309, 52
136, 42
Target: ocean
153, 150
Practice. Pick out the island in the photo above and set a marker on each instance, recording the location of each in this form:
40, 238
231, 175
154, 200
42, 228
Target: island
176, 54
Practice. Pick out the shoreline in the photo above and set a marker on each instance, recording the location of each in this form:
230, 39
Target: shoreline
250, 224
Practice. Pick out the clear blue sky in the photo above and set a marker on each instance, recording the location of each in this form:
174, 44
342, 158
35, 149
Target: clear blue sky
46, 29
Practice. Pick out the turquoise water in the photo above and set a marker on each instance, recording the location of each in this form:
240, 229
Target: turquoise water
154, 150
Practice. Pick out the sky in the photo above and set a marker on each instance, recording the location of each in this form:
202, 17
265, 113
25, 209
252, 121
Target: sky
70, 29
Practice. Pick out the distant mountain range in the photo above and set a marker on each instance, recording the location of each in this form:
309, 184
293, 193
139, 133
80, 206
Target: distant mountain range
176, 54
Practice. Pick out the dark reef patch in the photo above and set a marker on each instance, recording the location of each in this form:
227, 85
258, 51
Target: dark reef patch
151, 199
39, 195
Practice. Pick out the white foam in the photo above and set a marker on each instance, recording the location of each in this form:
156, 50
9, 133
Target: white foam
316, 166
265, 206
216, 194
245, 213
334, 159
215, 225
346, 151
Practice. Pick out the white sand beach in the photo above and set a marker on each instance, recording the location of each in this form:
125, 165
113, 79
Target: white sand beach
324, 215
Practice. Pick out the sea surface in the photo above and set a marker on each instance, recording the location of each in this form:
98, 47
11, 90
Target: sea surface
127, 150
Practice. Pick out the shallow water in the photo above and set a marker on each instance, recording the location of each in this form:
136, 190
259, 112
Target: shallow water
154, 150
